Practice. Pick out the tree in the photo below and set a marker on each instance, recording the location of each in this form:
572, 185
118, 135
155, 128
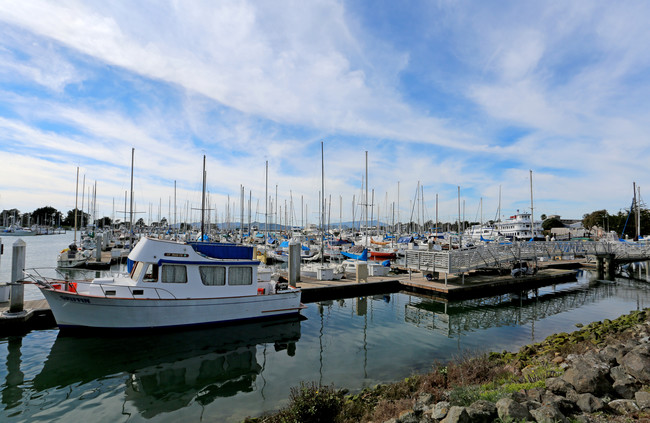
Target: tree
10, 216
549, 224
104, 222
46, 215
82, 219
596, 218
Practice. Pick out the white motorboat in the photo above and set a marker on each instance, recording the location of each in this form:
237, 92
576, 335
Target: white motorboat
72, 257
518, 228
172, 284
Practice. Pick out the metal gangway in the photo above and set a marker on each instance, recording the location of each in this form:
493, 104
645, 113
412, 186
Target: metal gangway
502, 255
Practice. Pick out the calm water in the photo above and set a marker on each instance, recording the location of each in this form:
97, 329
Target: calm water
226, 374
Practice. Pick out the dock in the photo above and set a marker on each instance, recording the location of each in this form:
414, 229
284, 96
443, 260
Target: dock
37, 313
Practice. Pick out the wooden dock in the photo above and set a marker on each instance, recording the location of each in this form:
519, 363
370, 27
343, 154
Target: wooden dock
37, 313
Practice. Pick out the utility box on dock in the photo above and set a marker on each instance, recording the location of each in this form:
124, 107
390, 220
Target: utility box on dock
324, 273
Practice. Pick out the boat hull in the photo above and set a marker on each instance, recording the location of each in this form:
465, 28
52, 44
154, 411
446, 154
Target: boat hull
75, 311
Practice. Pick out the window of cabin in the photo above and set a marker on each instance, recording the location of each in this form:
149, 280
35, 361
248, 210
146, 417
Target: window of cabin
213, 275
138, 267
240, 276
174, 273
151, 274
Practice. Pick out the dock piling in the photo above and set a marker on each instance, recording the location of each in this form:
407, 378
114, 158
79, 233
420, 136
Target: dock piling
17, 299
294, 263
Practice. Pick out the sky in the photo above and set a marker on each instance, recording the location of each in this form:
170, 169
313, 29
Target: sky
442, 97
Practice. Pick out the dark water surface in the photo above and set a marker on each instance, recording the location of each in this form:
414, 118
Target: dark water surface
226, 374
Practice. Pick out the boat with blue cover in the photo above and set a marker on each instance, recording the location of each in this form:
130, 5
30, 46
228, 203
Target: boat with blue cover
172, 284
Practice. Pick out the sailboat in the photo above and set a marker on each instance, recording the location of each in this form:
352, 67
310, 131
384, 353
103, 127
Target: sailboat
73, 256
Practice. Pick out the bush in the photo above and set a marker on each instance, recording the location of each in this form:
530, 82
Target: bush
310, 403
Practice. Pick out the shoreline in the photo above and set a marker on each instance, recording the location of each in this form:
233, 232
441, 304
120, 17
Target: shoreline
598, 373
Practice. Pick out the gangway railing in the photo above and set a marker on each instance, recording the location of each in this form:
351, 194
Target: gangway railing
502, 255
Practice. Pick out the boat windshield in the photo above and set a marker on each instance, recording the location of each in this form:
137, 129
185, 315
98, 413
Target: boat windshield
138, 267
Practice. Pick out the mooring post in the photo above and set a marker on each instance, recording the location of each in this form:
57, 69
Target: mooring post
294, 263
600, 267
98, 247
16, 303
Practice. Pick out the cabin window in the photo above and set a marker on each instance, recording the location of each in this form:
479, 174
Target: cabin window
240, 276
213, 275
174, 273
136, 271
151, 274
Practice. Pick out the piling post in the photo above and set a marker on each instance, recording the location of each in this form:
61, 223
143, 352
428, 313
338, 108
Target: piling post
294, 263
16, 304
99, 241
600, 267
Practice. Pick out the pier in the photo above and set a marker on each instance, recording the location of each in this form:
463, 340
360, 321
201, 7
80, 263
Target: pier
445, 275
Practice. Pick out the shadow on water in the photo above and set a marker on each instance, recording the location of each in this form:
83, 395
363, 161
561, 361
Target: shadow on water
167, 371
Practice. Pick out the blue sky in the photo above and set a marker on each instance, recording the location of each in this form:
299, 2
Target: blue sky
441, 94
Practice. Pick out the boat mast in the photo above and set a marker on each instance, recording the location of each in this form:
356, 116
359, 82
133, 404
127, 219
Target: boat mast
532, 220
203, 203
367, 232
76, 196
131, 209
322, 182
266, 205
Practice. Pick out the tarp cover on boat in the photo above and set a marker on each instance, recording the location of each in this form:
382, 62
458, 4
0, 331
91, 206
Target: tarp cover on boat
405, 240
222, 250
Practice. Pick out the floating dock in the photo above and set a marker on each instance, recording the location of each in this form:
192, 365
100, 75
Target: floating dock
37, 314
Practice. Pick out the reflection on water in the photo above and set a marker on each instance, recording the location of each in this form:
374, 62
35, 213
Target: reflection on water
164, 371
226, 374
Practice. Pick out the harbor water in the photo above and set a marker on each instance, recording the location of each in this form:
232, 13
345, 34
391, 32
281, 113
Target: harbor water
226, 374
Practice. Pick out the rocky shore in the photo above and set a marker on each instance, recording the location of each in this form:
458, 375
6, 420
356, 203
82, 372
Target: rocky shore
599, 373
608, 381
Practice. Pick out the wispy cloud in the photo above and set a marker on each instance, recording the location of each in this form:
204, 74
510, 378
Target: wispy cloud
447, 94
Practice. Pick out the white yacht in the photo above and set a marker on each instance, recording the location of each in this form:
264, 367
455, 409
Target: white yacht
172, 284
519, 228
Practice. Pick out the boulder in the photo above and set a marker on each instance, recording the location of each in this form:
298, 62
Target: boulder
482, 411
588, 376
589, 403
642, 400
507, 408
558, 386
623, 406
457, 415
548, 413
637, 363
440, 410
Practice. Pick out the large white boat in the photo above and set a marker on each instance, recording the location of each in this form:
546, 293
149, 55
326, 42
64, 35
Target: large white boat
519, 228
172, 284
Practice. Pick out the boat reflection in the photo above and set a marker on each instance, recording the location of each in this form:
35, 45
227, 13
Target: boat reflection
168, 371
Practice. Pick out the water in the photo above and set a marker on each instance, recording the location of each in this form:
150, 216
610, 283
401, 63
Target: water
226, 374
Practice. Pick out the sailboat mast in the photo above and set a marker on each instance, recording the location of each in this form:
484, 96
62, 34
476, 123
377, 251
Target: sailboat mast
532, 218
76, 196
203, 203
131, 208
367, 234
322, 182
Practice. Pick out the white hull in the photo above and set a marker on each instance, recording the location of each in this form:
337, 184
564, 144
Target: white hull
73, 310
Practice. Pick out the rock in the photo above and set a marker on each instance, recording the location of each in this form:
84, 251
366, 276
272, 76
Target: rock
548, 413
440, 410
637, 363
563, 404
457, 415
482, 411
507, 408
623, 406
609, 354
589, 403
531, 404
588, 375
408, 417
557, 385
535, 394
626, 388
642, 400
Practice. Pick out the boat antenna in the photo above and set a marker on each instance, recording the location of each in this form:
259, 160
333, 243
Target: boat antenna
76, 196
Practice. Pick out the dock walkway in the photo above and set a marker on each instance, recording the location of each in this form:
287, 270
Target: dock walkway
37, 313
